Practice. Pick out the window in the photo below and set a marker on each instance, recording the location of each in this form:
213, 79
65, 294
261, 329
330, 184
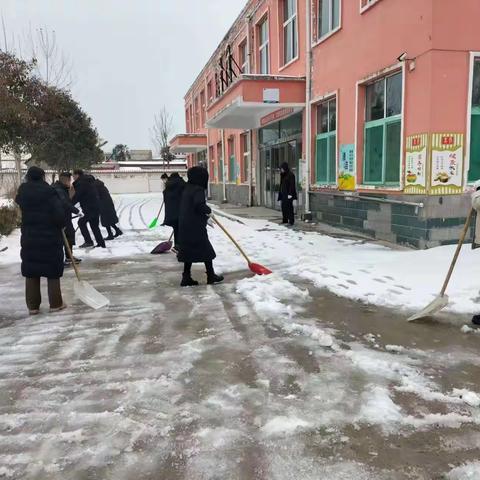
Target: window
328, 16
202, 108
220, 162
383, 129
187, 120
326, 143
197, 114
232, 170
245, 155
474, 172
211, 159
289, 30
243, 56
263, 49
209, 91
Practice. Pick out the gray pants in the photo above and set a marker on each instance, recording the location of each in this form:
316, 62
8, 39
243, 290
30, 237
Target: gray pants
33, 295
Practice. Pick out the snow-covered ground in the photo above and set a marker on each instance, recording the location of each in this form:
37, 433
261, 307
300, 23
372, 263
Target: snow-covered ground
258, 378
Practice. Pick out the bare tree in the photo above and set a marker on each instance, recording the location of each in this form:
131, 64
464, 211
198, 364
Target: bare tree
160, 134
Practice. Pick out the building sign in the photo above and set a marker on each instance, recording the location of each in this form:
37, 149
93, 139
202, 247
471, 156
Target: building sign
275, 116
346, 171
446, 163
271, 95
416, 164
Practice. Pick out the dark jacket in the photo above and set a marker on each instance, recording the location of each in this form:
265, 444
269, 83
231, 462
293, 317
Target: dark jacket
194, 245
288, 184
86, 194
173, 196
108, 214
69, 209
43, 218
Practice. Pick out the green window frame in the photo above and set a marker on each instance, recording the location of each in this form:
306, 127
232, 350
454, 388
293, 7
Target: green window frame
326, 143
232, 171
383, 132
474, 170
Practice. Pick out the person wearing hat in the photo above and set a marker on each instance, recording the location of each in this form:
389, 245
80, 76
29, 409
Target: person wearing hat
172, 196
476, 207
43, 218
194, 245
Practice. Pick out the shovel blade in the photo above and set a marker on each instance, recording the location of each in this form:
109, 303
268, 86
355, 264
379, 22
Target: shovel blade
438, 304
89, 296
153, 224
258, 269
163, 247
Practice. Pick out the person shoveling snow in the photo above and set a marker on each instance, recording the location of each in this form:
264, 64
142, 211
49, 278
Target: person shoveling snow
476, 207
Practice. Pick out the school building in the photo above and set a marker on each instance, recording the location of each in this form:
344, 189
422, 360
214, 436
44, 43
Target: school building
375, 105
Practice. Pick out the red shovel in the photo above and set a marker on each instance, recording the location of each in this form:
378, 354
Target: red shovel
256, 268
163, 247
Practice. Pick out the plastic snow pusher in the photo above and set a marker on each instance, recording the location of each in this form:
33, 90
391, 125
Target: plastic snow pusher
441, 301
254, 267
163, 247
154, 222
83, 290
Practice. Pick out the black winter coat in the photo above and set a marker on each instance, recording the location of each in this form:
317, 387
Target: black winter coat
288, 185
86, 194
69, 209
173, 197
43, 218
194, 245
108, 214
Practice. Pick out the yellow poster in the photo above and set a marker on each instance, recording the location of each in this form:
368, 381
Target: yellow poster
416, 164
446, 164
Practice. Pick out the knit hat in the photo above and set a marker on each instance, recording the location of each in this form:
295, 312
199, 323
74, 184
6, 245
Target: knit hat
35, 174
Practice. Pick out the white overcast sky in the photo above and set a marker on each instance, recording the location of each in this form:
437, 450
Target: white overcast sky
130, 57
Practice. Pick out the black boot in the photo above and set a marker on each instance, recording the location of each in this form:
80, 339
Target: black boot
188, 281
87, 245
118, 232
213, 278
476, 320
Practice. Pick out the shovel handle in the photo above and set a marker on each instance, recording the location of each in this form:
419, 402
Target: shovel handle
457, 252
160, 211
231, 238
70, 255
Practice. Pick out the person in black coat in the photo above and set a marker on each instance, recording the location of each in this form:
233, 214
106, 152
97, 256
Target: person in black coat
172, 196
86, 194
194, 245
43, 218
62, 186
287, 194
108, 214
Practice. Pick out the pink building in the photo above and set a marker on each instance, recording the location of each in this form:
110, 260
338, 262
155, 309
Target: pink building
375, 104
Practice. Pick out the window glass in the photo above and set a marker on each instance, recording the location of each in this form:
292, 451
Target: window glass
322, 165
264, 31
335, 14
290, 8
374, 154
476, 84
332, 115
332, 160
328, 16
375, 100
394, 95
392, 152
323, 118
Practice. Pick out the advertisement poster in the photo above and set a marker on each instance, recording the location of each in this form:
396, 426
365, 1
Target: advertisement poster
346, 172
416, 164
447, 163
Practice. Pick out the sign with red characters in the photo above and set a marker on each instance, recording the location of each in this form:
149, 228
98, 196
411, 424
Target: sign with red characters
276, 115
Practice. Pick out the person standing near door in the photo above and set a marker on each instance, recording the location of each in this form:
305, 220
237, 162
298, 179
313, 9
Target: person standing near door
287, 193
43, 218
86, 194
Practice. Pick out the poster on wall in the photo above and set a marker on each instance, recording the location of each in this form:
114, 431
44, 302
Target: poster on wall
416, 164
446, 163
346, 171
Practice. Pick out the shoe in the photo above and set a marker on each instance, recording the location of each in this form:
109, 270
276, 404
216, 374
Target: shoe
476, 320
214, 278
100, 246
188, 281
117, 234
33, 312
174, 250
59, 309
109, 238
87, 245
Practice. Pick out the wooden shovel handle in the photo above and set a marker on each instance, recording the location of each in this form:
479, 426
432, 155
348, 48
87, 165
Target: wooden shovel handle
232, 239
457, 252
70, 255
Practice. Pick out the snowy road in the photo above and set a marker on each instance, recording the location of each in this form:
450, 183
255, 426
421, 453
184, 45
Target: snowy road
259, 378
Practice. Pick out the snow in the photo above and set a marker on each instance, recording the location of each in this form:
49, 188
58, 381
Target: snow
470, 471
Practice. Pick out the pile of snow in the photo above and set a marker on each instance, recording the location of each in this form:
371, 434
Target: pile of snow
465, 472
6, 203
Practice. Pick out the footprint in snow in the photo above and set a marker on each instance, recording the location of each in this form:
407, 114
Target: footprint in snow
395, 292
365, 271
408, 289
352, 282
389, 278
379, 280
343, 286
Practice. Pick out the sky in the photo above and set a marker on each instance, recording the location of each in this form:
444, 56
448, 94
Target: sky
130, 57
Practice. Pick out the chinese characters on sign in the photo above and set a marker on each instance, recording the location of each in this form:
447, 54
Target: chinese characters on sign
416, 164
447, 163
346, 175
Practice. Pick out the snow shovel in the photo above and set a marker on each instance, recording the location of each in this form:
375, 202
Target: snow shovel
256, 268
441, 301
83, 290
163, 247
155, 220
